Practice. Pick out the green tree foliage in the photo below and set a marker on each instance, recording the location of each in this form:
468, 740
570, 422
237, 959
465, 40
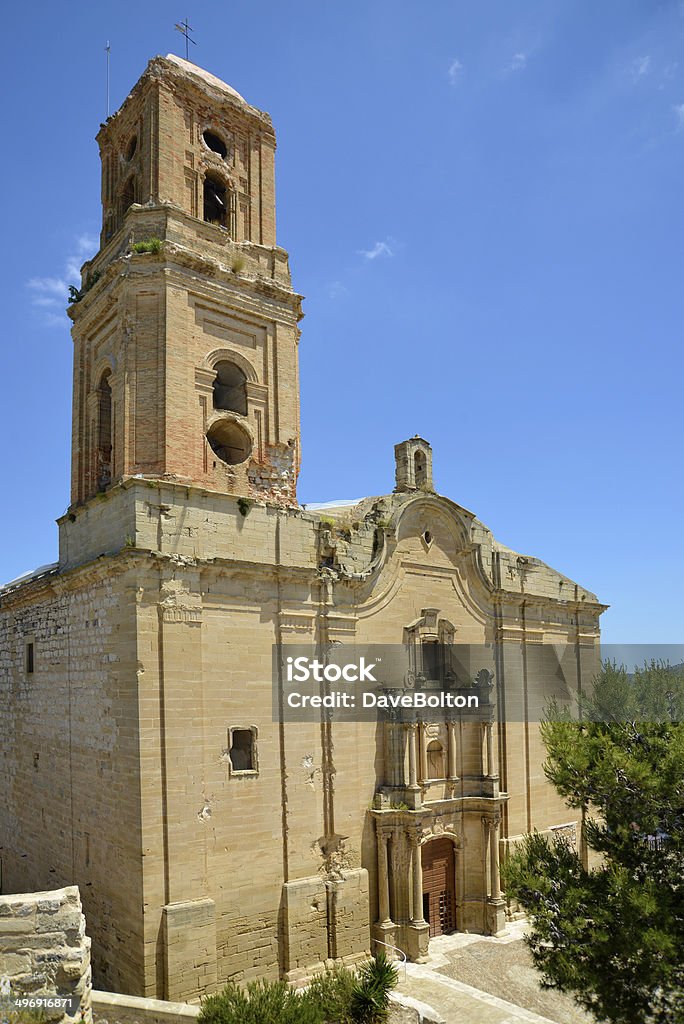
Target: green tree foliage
336, 997
613, 935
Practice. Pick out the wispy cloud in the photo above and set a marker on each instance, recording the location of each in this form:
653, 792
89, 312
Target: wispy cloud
382, 249
455, 72
337, 289
379, 249
518, 62
50, 294
679, 113
667, 74
640, 66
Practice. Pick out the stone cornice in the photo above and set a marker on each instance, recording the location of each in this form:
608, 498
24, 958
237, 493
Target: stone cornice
186, 488
62, 581
172, 259
515, 599
422, 816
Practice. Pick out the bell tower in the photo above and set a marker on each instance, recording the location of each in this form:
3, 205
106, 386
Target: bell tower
185, 325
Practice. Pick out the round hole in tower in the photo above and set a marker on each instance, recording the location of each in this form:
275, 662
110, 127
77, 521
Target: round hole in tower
215, 144
131, 147
229, 441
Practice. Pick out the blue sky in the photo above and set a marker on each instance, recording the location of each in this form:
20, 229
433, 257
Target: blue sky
483, 206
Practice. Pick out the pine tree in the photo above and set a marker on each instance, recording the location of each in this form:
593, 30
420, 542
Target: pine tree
613, 934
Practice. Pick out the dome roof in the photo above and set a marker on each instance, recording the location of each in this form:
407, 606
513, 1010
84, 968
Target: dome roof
209, 79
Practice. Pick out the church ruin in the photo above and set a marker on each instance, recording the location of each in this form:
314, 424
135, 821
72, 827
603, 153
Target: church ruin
139, 756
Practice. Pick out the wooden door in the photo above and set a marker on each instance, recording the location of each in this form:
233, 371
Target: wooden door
438, 886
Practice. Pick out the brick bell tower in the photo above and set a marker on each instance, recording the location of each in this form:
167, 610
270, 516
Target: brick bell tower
185, 326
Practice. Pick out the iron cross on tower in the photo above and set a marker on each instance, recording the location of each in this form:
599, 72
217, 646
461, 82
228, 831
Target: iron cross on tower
185, 30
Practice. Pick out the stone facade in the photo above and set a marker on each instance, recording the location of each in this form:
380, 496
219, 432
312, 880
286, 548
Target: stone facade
140, 755
44, 951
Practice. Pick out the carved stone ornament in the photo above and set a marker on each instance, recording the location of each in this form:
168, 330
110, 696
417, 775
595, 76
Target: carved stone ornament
179, 604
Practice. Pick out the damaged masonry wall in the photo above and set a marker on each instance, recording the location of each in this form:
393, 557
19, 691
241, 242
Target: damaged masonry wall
44, 951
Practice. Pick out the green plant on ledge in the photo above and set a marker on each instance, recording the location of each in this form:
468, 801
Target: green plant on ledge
148, 245
244, 505
75, 295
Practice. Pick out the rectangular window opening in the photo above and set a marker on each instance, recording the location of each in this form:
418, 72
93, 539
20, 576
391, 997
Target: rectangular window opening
243, 754
29, 658
432, 659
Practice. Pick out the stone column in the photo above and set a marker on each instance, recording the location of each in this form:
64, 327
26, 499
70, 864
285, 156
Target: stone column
495, 906
413, 779
417, 874
491, 768
383, 881
452, 771
413, 794
494, 858
486, 859
423, 752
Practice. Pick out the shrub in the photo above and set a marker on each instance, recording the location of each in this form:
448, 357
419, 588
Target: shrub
332, 992
335, 997
149, 245
370, 997
22, 1015
264, 1002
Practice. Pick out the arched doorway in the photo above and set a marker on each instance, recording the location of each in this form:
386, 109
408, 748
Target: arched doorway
439, 886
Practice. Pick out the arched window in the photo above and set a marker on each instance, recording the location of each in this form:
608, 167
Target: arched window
435, 760
127, 195
104, 432
230, 390
215, 200
419, 468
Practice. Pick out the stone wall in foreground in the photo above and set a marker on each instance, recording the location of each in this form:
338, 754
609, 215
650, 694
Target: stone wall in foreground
44, 951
